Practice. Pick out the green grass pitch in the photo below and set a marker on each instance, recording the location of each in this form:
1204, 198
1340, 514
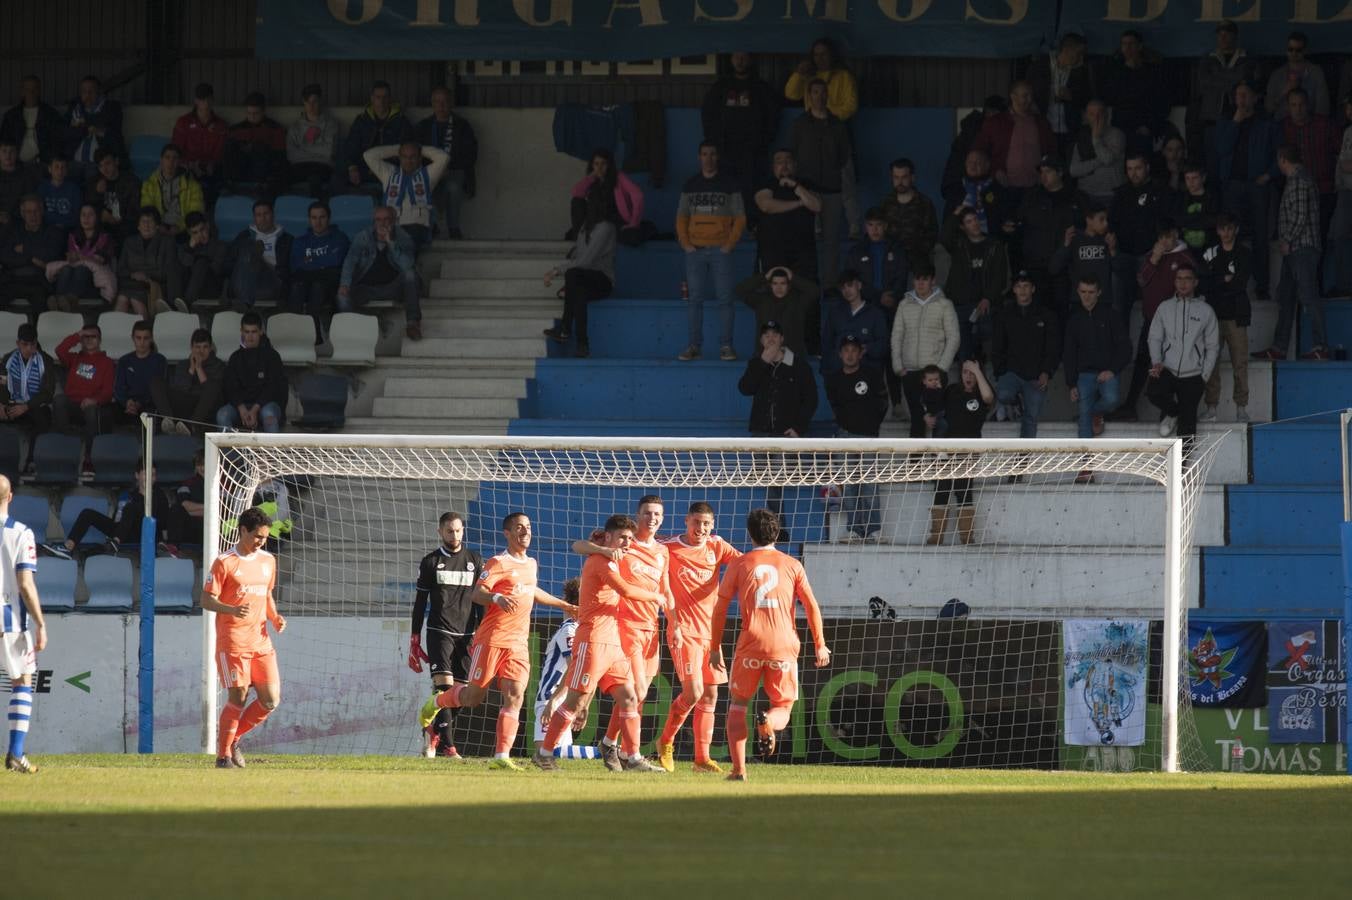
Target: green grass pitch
174, 826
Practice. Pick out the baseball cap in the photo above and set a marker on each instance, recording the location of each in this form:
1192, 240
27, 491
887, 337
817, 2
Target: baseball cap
772, 325
851, 338
1051, 161
1023, 275
955, 609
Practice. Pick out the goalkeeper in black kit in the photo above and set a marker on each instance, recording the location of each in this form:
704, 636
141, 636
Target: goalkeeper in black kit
447, 577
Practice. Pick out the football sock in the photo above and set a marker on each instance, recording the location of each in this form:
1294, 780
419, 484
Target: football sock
680, 710
613, 729
450, 698
777, 717
20, 711
508, 720
253, 716
443, 726
630, 721
704, 730
560, 722
736, 730
229, 725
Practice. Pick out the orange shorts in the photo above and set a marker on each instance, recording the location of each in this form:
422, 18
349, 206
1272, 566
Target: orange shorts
240, 670
643, 647
690, 656
487, 663
780, 677
597, 667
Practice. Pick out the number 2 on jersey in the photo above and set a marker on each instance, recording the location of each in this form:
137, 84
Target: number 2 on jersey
767, 579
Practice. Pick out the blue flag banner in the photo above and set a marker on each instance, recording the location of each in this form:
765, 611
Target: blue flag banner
1307, 682
1105, 681
1225, 664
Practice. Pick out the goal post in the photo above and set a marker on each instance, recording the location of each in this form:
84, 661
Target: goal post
978, 615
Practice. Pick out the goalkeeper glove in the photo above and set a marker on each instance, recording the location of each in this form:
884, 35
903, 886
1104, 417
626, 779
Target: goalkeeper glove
416, 656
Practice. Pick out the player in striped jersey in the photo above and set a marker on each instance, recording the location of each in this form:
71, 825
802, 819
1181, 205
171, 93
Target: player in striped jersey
765, 583
551, 691
507, 589
25, 630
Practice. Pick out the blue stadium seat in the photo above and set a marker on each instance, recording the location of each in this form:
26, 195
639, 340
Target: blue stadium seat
109, 581
11, 453
35, 512
175, 584
173, 458
144, 151
293, 213
56, 580
323, 401
56, 459
72, 506
352, 212
234, 213
114, 457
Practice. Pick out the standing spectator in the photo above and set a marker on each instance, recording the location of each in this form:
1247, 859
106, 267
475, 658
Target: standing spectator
380, 263
858, 400
1184, 347
1298, 73
408, 186
1087, 251
966, 405
1298, 241
1156, 279
1097, 155
260, 260
588, 272
1195, 208
382, 123
1213, 87
1134, 82
781, 387
879, 262
115, 194
88, 264
135, 376
316, 267
1313, 135
93, 122
31, 125
1227, 290
865, 322
188, 394
29, 384
740, 114
199, 138
254, 157
821, 147
15, 181
453, 135
147, 270
781, 296
1096, 350
26, 249
1134, 217
254, 387
174, 194
61, 196
842, 102
1340, 232
1025, 353
1044, 215
1015, 141
978, 190
785, 233
624, 199
1062, 85
709, 222
1246, 163
911, 219
203, 260
978, 278
312, 143
924, 333
87, 401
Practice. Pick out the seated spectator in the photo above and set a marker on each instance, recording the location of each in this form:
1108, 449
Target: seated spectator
1226, 266
966, 405
136, 372
123, 526
1184, 348
93, 123
115, 194
29, 385
26, 248
199, 138
1195, 208
1096, 350
780, 296
316, 267
61, 196
1084, 251
911, 219
90, 373
924, 333
183, 521
88, 264
624, 198
588, 272
786, 228
203, 261
709, 223
380, 264
1097, 155
977, 278
254, 387
880, 264
978, 190
260, 260
858, 398
312, 143
189, 393
175, 194
254, 158
852, 316
408, 186
31, 125
147, 270
382, 123
1025, 354
15, 182
455, 137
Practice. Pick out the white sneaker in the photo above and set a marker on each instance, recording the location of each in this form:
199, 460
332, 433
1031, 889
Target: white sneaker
1208, 414
1167, 425
1241, 414
169, 426
183, 429
875, 536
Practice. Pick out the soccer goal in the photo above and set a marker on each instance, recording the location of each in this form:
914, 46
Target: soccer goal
994, 603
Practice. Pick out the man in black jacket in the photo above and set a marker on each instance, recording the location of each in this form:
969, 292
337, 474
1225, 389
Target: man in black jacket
741, 114
1135, 217
1226, 270
259, 260
858, 398
33, 126
1097, 349
26, 248
255, 387
1046, 212
1025, 353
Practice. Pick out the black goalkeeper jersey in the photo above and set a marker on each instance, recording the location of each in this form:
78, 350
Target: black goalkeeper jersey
448, 579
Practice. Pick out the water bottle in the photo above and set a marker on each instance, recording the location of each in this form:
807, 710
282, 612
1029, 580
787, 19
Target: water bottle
685, 290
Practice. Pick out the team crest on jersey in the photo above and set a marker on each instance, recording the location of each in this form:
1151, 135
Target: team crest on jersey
586, 679
709, 557
441, 565
469, 567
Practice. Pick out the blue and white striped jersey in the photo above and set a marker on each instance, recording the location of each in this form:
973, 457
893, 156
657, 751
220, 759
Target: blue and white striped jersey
557, 654
18, 551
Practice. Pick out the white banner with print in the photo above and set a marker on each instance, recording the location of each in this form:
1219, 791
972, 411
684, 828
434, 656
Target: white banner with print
1105, 681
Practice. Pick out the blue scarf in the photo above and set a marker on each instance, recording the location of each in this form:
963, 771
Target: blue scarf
24, 379
973, 191
81, 117
416, 186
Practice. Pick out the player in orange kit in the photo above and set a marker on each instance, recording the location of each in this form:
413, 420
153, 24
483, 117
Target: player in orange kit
239, 590
507, 587
765, 583
695, 558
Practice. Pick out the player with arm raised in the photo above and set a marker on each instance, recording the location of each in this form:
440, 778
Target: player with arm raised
695, 558
239, 590
599, 661
765, 583
446, 576
25, 630
508, 591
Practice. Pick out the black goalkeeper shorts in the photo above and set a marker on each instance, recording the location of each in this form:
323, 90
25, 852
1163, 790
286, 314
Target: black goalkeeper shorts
449, 654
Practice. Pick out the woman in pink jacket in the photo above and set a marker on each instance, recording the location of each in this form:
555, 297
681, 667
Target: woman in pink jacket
89, 255
627, 212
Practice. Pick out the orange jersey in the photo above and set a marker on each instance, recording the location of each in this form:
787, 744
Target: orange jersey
765, 583
235, 580
598, 602
514, 577
645, 566
694, 582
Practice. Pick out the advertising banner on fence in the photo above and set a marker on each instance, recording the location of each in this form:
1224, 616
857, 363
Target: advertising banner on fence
1105, 681
1307, 682
1225, 664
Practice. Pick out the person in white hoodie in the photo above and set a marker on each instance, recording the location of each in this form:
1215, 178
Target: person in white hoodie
925, 333
1184, 348
408, 186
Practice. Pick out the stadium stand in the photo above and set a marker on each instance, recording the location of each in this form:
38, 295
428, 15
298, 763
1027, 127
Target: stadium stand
71, 507
293, 337
293, 213
145, 150
57, 581
116, 327
11, 453
115, 458
54, 326
323, 401
35, 512
175, 584
354, 337
173, 334
108, 580
173, 457
56, 460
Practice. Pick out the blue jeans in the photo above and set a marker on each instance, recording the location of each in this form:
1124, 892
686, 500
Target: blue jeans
1299, 279
1009, 386
706, 269
269, 417
404, 287
1095, 398
859, 502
